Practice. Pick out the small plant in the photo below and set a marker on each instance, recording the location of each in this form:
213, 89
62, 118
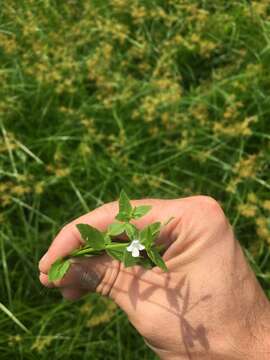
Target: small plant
139, 249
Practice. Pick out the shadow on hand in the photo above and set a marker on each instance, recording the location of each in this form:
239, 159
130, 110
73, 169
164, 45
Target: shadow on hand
178, 303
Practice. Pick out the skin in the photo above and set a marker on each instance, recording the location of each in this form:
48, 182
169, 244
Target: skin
208, 306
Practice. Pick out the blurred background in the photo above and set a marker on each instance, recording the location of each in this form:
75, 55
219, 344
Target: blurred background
160, 98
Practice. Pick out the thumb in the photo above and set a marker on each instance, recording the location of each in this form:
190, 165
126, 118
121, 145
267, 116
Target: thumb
131, 288
103, 275
85, 275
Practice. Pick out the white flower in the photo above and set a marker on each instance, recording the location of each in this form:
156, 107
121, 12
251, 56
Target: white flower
135, 248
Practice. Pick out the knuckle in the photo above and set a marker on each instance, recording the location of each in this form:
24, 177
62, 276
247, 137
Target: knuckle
206, 200
209, 209
208, 204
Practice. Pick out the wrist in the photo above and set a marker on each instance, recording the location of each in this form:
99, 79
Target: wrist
260, 334
252, 340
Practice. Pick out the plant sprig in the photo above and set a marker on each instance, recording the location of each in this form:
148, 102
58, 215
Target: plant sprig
139, 249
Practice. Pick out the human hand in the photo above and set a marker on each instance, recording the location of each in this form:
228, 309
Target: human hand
208, 306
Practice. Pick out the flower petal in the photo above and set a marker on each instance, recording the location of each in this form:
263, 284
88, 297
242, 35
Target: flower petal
130, 248
141, 247
135, 252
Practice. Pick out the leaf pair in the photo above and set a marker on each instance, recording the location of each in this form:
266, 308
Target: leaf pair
124, 256
147, 238
126, 212
116, 229
149, 234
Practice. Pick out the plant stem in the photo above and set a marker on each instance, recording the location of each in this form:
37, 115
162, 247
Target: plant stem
90, 250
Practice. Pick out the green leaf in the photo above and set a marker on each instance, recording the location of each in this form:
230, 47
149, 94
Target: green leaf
92, 236
140, 211
107, 239
125, 208
131, 231
115, 229
145, 263
149, 234
129, 260
117, 254
160, 248
58, 269
124, 203
122, 217
146, 237
155, 229
156, 258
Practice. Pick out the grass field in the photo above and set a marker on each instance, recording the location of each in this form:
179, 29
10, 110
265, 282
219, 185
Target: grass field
160, 98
